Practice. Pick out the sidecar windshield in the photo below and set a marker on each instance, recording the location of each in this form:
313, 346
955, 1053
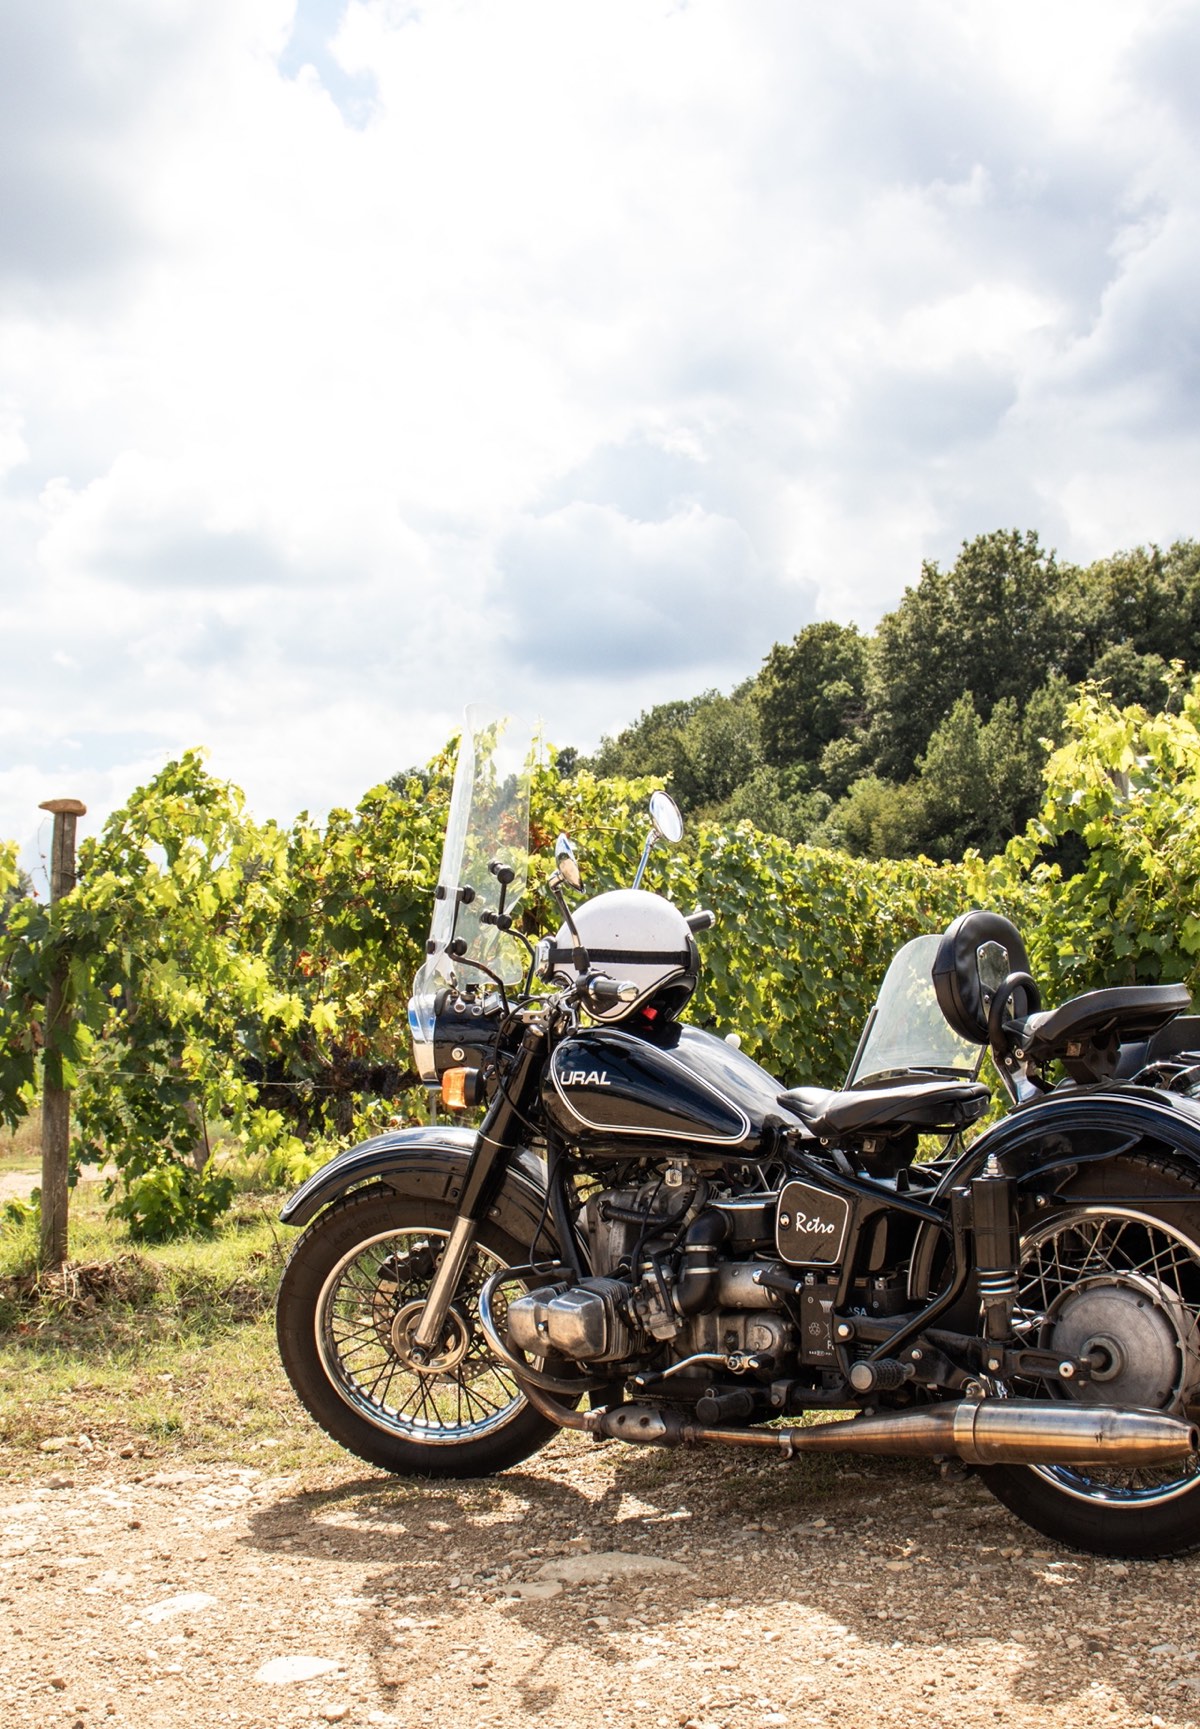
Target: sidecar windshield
906, 1029
487, 839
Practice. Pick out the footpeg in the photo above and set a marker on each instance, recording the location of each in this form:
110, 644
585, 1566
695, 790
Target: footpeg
882, 1375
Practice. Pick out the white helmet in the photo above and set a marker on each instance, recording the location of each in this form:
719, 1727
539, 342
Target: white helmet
635, 938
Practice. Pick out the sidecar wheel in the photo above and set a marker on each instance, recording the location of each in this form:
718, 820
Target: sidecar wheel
1121, 1277
354, 1281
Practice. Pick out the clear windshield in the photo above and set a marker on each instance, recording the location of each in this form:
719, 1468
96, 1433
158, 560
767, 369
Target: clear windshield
906, 1029
487, 831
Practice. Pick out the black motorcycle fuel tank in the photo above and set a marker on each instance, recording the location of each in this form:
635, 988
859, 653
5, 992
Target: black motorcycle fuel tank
617, 1094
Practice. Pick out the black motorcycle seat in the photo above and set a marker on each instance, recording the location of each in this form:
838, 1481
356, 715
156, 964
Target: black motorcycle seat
926, 1105
1127, 1012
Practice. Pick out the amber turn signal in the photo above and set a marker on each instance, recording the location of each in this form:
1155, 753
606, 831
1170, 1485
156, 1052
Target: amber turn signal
460, 1089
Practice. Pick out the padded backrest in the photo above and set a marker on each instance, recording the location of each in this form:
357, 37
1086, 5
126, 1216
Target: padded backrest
960, 991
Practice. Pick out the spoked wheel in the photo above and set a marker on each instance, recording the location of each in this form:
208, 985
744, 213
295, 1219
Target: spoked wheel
349, 1300
1119, 1282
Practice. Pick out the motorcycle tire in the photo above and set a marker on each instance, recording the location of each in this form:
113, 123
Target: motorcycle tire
1121, 1276
353, 1283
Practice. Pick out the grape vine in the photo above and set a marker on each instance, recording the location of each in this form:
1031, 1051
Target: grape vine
239, 981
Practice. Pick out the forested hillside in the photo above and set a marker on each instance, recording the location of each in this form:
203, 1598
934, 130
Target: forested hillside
931, 735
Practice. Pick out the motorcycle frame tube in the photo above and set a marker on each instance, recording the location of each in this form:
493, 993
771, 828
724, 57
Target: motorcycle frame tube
568, 1239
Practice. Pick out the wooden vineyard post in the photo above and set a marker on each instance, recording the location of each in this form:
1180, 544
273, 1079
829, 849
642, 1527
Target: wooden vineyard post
56, 1098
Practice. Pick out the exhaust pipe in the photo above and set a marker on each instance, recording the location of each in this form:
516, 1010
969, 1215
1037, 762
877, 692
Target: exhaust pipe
1013, 1432
980, 1432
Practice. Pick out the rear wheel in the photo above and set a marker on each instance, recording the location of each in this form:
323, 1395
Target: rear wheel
1119, 1280
350, 1296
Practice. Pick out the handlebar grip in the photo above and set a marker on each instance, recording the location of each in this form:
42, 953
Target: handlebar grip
611, 991
702, 920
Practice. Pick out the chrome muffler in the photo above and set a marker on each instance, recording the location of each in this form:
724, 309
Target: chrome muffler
978, 1431
1012, 1432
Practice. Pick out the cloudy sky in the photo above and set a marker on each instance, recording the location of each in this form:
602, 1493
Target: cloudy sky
359, 358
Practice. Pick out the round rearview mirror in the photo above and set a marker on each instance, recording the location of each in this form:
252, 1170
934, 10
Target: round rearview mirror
568, 865
665, 815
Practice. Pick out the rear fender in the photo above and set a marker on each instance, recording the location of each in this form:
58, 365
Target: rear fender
431, 1163
1082, 1125
1055, 1137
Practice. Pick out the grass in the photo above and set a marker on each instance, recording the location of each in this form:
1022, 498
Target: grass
143, 1350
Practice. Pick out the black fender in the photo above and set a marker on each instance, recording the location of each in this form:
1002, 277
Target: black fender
428, 1162
1061, 1133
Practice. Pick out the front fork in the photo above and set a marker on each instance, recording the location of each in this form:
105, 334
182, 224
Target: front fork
500, 1133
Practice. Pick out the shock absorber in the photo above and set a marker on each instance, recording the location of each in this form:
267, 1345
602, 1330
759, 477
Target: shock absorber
993, 1216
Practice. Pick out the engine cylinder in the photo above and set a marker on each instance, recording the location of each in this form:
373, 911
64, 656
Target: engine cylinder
584, 1321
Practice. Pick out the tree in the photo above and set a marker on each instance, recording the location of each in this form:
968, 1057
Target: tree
774, 803
1142, 603
1130, 677
876, 819
704, 746
811, 693
989, 625
975, 780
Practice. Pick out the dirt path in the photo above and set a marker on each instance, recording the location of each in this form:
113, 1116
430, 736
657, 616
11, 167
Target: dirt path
19, 1185
745, 1594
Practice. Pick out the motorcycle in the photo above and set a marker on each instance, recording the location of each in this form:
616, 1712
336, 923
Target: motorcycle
648, 1237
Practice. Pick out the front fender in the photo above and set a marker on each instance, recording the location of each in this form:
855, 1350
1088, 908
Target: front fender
429, 1162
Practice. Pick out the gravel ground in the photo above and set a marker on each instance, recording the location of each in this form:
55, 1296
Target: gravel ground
597, 1586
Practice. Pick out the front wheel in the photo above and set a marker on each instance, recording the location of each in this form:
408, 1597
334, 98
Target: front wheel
350, 1295
1117, 1279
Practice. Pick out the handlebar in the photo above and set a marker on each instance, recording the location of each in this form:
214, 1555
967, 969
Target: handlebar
701, 920
611, 991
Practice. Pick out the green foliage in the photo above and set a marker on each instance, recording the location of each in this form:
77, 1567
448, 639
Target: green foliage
1132, 678
253, 978
803, 939
15, 885
778, 802
1126, 787
221, 970
989, 625
811, 693
930, 736
23, 1215
876, 819
1145, 600
705, 746
978, 779
170, 1198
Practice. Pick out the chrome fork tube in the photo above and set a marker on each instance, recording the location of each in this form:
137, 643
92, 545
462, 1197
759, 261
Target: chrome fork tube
428, 1331
499, 1134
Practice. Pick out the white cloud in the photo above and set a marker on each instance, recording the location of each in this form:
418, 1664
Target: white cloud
355, 358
